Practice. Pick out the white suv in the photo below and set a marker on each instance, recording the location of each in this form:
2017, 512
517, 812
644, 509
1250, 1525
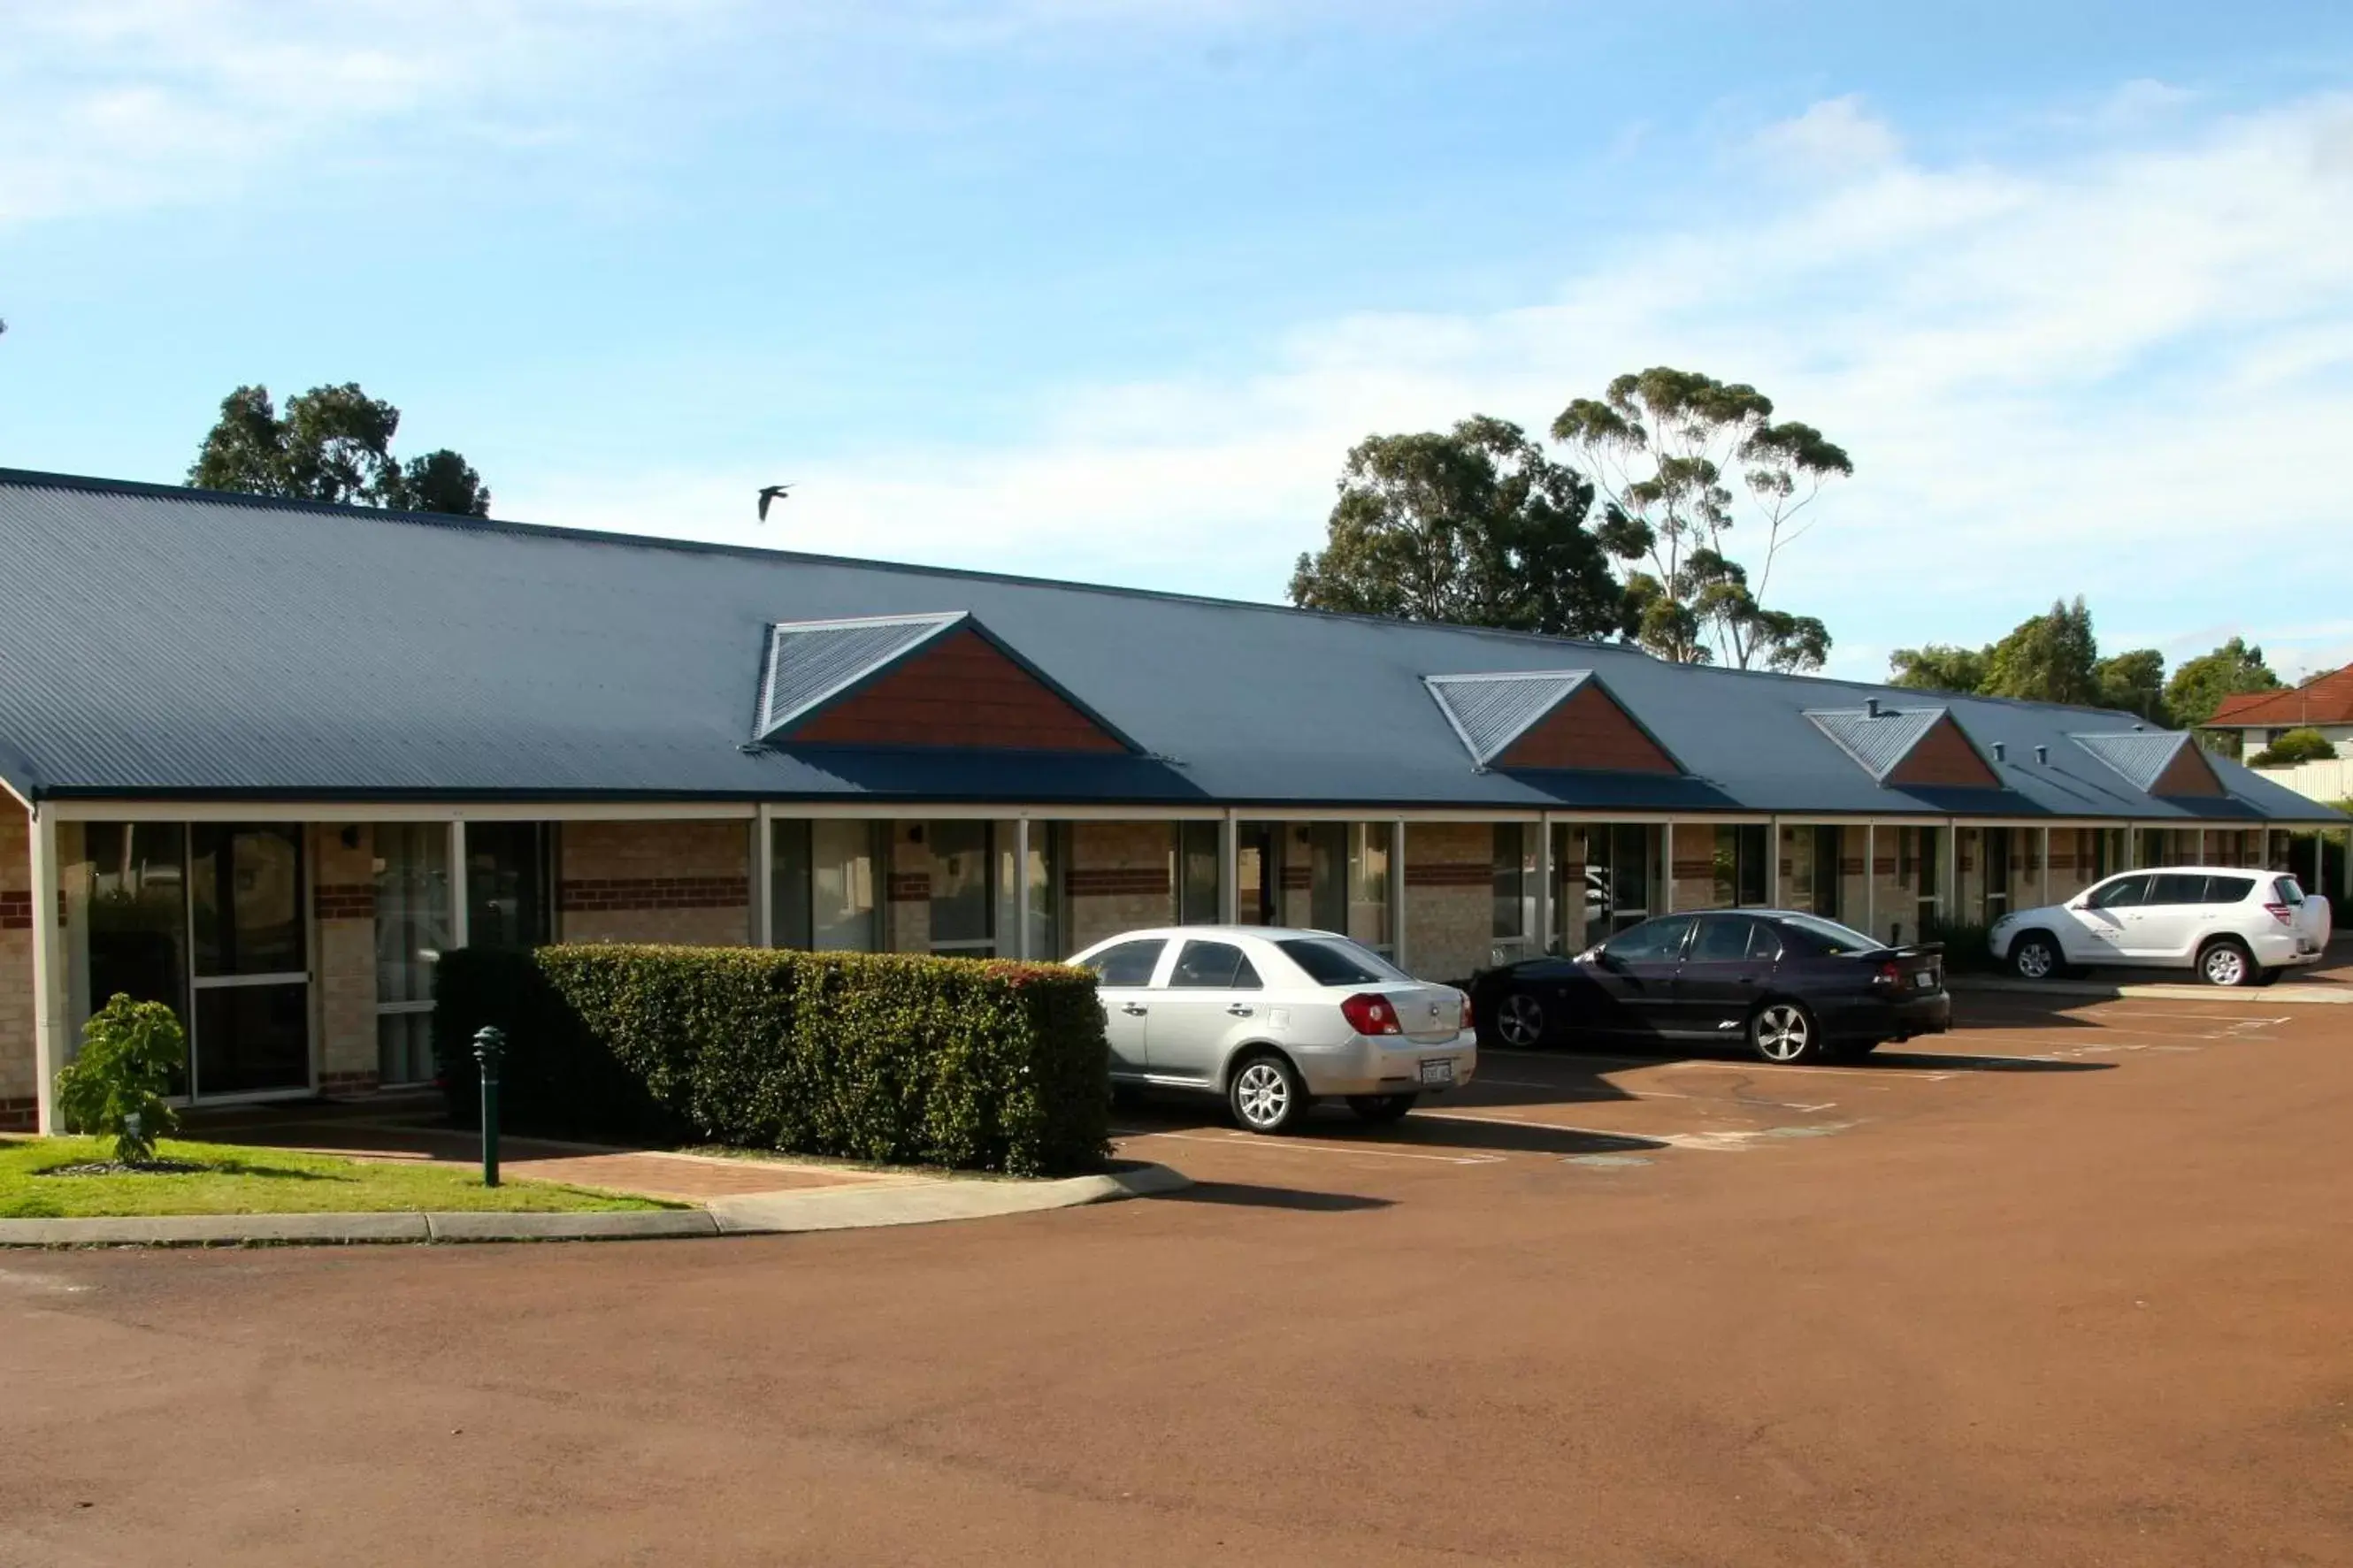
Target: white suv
2232, 926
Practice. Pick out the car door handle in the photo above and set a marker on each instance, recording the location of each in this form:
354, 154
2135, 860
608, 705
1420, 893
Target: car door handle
1135, 1009
1241, 1010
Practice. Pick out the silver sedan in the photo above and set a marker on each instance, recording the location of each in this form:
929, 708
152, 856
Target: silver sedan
1274, 1019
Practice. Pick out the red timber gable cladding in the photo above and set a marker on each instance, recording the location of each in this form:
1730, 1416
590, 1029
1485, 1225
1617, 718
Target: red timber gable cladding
2189, 774
1587, 730
963, 691
1944, 757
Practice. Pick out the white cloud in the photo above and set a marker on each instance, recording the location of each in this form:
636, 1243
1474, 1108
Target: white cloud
1835, 136
2123, 373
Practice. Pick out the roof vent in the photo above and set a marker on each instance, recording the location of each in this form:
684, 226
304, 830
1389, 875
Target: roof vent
2042, 754
1870, 707
1999, 751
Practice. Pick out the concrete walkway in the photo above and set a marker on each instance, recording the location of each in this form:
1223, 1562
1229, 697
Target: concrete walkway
2324, 993
908, 1200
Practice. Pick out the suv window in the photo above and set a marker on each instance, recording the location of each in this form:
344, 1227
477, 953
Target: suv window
2228, 889
2287, 891
1336, 961
1723, 939
2172, 887
1652, 941
2123, 893
1214, 967
1129, 963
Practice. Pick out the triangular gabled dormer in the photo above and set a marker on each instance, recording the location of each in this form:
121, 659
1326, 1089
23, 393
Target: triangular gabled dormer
1547, 719
2155, 761
1908, 748
930, 680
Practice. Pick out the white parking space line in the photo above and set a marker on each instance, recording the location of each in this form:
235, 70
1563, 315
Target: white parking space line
1263, 1144
1777, 1069
2202, 1017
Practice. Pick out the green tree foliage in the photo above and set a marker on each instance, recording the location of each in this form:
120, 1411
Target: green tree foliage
1473, 525
2199, 686
1941, 666
2134, 682
1667, 449
115, 1087
2052, 657
332, 444
2300, 745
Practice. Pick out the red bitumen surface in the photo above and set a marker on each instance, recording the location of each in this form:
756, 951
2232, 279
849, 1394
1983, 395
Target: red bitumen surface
2072, 1284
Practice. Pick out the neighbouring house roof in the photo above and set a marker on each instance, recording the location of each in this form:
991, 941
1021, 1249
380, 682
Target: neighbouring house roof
162, 642
2324, 699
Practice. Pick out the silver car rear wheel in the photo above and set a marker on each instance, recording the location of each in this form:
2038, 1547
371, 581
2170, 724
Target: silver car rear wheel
1266, 1094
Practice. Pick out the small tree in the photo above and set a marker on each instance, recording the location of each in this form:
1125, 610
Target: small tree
115, 1088
2293, 747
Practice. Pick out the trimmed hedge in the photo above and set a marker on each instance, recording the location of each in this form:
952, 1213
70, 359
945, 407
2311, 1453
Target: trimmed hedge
968, 1063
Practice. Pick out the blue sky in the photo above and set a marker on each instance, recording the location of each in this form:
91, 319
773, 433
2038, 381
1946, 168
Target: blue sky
1105, 290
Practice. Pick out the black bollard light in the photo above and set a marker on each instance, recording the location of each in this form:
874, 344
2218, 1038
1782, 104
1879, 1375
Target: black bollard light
490, 1048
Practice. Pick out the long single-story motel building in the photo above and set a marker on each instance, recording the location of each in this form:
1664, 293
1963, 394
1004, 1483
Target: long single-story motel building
262, 761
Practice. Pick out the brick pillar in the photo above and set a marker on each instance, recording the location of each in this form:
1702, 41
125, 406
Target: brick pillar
19, 1088
342, 899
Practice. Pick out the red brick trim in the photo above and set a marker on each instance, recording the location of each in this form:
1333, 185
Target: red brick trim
20, 1115
911, 887
1693, 870
1108, 881
15, 910
345, 900
1298, 878
1450, 873
349, 1083
606, 893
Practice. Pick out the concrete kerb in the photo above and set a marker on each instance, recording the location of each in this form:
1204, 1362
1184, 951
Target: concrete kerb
2332, 996
824, 1208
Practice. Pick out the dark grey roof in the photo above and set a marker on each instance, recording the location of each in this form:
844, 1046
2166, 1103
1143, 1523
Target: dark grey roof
1490, 711
811, 662
166, 642
2139, 756
1878, 738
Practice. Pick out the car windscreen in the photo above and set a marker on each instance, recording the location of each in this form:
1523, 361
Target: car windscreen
1829, 936
1336, 961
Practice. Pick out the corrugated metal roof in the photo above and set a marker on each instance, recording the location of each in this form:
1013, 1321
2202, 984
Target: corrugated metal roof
812, 661
1879, 739
1490, 711
164, 642
2140, 756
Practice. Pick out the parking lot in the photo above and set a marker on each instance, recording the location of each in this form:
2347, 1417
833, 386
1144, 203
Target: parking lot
2067, 1285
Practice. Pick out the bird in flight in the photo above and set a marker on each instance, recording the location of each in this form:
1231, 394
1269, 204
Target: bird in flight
770, 494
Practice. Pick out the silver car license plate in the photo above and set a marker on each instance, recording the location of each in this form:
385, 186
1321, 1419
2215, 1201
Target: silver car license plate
1925, 979
1439, 1071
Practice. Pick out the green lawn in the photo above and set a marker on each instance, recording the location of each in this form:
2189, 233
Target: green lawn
245, 1180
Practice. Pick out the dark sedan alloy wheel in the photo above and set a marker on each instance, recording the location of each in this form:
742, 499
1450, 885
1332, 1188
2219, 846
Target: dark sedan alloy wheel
1784, 1031
1520, 1020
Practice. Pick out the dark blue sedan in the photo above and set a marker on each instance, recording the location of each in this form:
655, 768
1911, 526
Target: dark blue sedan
1793, 987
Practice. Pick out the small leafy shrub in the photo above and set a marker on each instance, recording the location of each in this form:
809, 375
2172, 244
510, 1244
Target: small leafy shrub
1966, 952
2295, 746
971, 1064
115, 1087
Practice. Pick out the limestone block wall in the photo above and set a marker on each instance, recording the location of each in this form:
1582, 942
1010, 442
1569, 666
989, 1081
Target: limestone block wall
1120, 876
1693, 857
1448, 898
688, 883
343, 903
19, 1078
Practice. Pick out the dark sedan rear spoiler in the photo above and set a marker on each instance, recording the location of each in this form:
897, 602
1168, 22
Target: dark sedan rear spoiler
1913, 950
